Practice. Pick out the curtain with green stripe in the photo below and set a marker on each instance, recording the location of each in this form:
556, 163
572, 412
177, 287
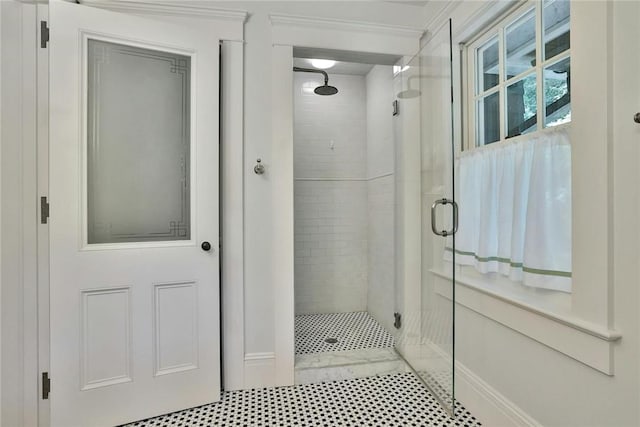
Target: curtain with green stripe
515, 210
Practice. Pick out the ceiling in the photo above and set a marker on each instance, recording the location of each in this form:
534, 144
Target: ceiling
348, 62
411, 3
345, 56
341, 67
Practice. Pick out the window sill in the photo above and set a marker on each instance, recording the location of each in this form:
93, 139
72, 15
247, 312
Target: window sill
585, 342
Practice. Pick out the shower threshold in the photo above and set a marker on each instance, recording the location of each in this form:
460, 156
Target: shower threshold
340, 346
349, 364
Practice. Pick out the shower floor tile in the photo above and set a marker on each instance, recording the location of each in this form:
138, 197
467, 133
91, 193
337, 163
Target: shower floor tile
388, 400
353, 331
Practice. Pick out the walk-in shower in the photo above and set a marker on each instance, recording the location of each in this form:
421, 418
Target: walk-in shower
344, 222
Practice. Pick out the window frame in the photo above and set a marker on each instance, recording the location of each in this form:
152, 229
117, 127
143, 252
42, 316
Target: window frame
497, 29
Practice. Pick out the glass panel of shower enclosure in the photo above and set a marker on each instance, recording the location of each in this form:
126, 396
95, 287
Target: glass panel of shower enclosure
426, 220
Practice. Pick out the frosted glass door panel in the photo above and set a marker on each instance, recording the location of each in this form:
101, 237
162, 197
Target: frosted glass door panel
138, 144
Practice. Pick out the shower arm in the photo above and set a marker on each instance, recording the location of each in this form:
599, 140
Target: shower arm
313, 70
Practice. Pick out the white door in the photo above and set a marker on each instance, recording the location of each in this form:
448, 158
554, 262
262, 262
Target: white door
134, 197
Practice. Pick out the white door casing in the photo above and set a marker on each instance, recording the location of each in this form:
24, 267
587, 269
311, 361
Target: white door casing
134, 324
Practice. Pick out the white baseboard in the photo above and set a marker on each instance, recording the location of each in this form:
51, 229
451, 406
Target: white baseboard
490, 407
259, 370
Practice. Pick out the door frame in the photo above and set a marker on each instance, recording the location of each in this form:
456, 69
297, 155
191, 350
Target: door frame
301, 31
22, 120
32, 311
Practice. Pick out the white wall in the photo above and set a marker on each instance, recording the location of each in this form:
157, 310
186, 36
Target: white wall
330, 195
380, 96
345, 227
19, 276
1, 102
11, 160
381, 196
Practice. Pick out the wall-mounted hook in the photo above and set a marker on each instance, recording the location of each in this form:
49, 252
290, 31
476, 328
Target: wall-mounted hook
259, 168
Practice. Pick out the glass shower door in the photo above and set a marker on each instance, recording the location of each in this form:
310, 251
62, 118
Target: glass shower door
426, 340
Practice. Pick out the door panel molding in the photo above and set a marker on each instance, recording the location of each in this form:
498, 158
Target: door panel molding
154, 339
106, 323
175, 328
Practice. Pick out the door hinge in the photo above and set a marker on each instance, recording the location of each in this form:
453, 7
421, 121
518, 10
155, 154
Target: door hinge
44, 34
397, 320
44, 210
46, 385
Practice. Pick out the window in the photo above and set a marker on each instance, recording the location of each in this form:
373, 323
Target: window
520, 73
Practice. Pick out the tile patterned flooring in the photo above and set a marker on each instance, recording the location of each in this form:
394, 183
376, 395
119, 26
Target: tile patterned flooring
398, 400
354, 331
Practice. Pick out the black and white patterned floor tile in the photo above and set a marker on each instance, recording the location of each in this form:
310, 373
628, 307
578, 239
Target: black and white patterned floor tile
391, 400
353, 331
440, 383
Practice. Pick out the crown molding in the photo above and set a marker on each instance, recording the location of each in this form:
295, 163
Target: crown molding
344, 25
476, 23
443, 13
192, 9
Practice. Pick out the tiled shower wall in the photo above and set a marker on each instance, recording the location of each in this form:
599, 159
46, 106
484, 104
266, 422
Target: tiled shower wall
381, 293
344, 196
330, 195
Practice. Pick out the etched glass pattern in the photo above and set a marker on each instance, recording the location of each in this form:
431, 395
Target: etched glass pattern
138, 144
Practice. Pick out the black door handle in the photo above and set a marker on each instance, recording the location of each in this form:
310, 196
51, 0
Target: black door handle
206, 246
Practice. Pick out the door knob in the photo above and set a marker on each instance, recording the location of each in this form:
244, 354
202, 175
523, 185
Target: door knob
206, 246
636, 117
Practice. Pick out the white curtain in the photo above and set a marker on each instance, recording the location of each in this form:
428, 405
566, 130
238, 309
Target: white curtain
515, 210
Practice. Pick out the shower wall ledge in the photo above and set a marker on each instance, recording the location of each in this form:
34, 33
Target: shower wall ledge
587, 343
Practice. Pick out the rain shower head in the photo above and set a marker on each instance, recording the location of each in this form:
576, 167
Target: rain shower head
325, 89
409, 93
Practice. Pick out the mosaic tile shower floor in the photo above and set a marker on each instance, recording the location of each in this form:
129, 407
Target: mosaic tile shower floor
353, 331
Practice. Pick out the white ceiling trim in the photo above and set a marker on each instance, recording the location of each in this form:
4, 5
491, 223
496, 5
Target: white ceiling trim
442, 14
344, 25
177, 8
337, 34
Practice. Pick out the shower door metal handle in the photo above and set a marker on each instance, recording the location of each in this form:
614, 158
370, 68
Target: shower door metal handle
444, 233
